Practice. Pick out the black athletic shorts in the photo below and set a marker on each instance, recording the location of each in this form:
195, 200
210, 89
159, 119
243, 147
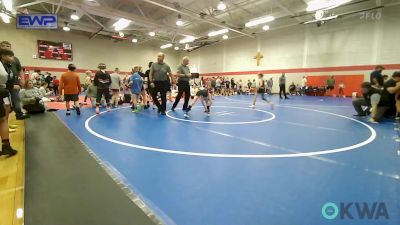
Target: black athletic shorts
261, 90
330, 88
2, 111
71, 97
203, 93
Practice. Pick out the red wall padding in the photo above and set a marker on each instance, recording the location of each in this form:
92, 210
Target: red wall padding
352, 83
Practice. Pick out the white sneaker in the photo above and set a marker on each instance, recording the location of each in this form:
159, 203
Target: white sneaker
252, 106
186, 115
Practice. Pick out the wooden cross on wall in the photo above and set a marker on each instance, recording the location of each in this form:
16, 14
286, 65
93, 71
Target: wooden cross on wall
258, 57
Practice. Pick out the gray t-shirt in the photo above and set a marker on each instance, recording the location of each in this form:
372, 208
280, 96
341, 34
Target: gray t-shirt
160, 71
184, 70
282, 80
115, 81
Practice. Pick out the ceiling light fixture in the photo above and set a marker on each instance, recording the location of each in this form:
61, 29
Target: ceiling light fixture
323, 19
121, 24
324, 4
121, 34
169, 45
218, 32
225, 37
319, 14
8, 4
5, 18
179, 22
66, 27
152, 33
265, 27
259, 21
134, 40
187, 39
176, 48
221, 5
75, 16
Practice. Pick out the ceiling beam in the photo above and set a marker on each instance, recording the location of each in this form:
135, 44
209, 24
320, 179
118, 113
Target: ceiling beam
45, 9
218, 24
29, 4
59, 6
93, 19
115, 14
286, 9
140, 9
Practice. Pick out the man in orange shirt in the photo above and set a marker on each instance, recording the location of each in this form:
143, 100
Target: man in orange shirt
71, 85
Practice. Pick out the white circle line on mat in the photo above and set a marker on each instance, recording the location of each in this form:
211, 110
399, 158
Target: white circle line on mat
227, 123
216, 155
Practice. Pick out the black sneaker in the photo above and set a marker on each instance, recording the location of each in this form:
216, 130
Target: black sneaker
163, 113
7, 150
146, 106
68, 113
173, 109
359, 115
78, 111
22, 117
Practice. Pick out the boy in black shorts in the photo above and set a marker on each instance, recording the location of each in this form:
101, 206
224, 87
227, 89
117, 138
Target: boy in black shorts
206, 100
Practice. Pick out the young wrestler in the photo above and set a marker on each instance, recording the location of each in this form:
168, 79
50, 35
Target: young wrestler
136, 84
260, 90
206, 100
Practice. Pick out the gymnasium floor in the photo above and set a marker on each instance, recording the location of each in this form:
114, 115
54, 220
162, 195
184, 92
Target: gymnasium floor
248, 167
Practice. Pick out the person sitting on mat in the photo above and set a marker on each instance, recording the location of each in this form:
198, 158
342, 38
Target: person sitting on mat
390, 97
206, 99
292, 89
46, 94
31, 99
363, 105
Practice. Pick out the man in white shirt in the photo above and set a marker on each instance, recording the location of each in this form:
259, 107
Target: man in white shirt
303, 85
